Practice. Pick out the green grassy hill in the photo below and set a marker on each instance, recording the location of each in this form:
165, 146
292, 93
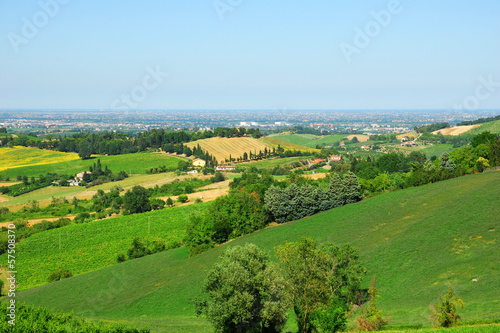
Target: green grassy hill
87, 247
492, 126
417, 242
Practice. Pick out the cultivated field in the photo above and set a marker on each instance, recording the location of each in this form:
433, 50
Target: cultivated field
417, 242
411, 135
44, 196
18, 156
90, 246
131, 163
285, 145
308, 140
456, 130
222, 148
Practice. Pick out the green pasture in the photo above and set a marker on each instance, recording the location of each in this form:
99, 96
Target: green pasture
417, 242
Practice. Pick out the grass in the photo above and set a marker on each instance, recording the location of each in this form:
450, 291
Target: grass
88, 247
429, 151
131, 163
18, 156
273, 162
492, 126
416, 241
221, 148
309, 140
495, 328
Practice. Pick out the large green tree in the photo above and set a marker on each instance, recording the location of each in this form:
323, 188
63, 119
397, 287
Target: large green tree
136, 200
244, 293
321, 281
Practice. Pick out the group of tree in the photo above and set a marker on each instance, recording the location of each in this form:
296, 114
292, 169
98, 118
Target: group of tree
431, 127
245, 292
321, 283
257, 199
478, 121
295, 202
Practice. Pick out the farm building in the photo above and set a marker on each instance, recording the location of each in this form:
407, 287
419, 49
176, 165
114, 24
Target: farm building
409, 144
335, 158
224, 168
198, 162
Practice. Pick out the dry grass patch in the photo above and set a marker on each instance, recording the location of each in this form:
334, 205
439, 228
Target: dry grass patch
457, 130
361, 137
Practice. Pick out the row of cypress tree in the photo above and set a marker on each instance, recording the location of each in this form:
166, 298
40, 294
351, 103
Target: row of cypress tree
295, 202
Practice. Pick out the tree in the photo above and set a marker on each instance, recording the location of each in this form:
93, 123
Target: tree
85, 150
182, 198
170, 202
321, 281
136, 200
244, 293
445, 312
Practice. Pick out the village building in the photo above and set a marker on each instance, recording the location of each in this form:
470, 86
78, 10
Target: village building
224, 168
198, 162
335, 158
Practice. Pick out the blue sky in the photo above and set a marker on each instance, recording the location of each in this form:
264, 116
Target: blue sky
242, 54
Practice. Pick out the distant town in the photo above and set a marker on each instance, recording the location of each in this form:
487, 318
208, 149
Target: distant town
343, 121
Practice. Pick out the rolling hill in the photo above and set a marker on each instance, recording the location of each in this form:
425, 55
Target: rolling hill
417, 242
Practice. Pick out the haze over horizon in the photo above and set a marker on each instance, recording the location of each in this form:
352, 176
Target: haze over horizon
221, 54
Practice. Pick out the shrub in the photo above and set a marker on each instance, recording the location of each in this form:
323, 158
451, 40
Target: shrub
120, 258
182, 198
445, 313
59, 275
371, 318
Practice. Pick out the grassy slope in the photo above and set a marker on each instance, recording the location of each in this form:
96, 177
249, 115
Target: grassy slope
417, 241
135, 163
492, 126
90, 246
309, 140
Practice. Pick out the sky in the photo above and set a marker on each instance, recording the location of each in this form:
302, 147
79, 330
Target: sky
242, 54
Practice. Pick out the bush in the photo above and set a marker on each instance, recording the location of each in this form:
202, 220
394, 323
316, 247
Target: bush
445, 313
182, 198
59, 275
120, 258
